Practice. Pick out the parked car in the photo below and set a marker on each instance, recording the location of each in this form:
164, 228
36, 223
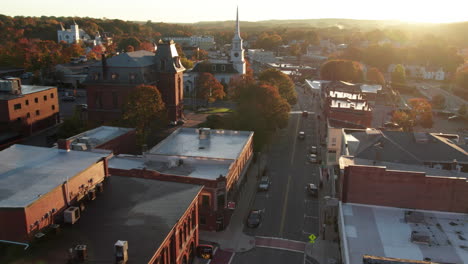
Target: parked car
82, 107
312, 190
264, 184
313, 149
301, 135
312, 158
305, 113
254, 219
455, 118
68, 98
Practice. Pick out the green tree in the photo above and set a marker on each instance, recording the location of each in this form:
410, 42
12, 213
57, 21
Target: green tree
209, 88
342, 70
131, 41
398, 74
374, 76
188, 64
144, 109
284, 84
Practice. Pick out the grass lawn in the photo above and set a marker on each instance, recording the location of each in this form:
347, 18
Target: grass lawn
214, 110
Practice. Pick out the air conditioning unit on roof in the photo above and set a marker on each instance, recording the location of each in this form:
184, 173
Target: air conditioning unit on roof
71, 215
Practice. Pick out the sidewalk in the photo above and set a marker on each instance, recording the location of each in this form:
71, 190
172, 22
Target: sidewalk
233, 239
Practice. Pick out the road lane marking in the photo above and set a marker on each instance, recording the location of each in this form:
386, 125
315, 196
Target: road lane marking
283, 216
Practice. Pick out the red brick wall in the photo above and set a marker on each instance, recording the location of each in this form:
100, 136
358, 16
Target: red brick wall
124, 144
13, 225
358, 117
56, 199
171, 87
47, 116
107, 111
378, 186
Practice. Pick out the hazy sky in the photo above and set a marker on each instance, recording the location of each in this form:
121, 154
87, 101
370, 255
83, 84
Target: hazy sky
250, 10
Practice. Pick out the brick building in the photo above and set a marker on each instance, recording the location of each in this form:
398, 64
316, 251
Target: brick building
115, 139
39, 183
345, 105
216, 159
27, 108
111, 80
158, 219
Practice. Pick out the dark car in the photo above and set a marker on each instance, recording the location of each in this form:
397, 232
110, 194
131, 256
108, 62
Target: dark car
69, 98
305, 113
254, 219
312, 189
264, 184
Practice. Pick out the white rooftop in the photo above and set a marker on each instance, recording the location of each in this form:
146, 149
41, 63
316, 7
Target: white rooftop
385, 232
100, 135
371, 88
220, 144
27, 172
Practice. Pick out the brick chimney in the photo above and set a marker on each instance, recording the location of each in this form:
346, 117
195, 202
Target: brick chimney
64, 144
104, 66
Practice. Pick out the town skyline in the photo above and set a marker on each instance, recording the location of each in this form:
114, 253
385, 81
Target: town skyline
209, 10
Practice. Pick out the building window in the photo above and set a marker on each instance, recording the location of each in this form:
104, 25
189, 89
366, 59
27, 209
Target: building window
180, 238
163, 64
36, 100
115, 76
223, 68
17, 106
99, 100
221, 201
18, 119
205, 200
202, 220
27, 102
45, 97
213, 67
51, 95
194, 219
28, 115
53, 107
96, 76
132, 77
115, 100
38, 112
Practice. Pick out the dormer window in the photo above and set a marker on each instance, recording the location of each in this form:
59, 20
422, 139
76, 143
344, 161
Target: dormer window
114, 76
223, 67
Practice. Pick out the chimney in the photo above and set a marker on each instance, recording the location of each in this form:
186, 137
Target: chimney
64, 144
104, 66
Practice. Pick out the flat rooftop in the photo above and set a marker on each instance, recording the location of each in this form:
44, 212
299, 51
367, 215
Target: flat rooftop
27, 172
194, 169
389, 232
350, 160
221, 144
100, 135
25, 89
139, 211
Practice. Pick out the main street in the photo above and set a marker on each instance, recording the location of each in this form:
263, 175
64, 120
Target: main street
288, 211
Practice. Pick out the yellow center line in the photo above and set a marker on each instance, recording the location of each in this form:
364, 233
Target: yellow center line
283, 215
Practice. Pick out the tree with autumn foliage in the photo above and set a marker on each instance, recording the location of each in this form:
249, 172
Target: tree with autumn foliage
404, 120
399, 74
209, 88
421, 110
282, 81
342, 70
374, 76
144, 109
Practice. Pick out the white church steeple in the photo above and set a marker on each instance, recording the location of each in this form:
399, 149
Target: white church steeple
237, 51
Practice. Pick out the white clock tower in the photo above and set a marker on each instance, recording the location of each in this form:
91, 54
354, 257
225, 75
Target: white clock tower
237, 51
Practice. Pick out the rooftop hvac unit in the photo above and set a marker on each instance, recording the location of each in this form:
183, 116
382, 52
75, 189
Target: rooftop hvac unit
84, 140
71, 215
121, 251
79, 146
81, 252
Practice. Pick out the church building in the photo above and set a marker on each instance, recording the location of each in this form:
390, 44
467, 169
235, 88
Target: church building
72, 35
222, 69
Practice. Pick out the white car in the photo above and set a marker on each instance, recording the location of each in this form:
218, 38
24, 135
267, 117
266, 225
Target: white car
301, 135
312, 158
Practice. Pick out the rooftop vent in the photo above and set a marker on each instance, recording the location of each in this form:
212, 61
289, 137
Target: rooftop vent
419, 237
204, 133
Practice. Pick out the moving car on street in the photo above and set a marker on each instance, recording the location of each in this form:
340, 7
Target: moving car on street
313, 149
301, 135
254, 219
312, 189
312, 158
264, 184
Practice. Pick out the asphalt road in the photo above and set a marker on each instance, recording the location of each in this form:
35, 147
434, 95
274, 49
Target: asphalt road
267, 255
67, 108
289, 212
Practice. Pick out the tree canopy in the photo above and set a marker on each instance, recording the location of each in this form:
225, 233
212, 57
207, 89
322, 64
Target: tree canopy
282, 81
374, 76
209, 88
144, 109
342, 70
399, 74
